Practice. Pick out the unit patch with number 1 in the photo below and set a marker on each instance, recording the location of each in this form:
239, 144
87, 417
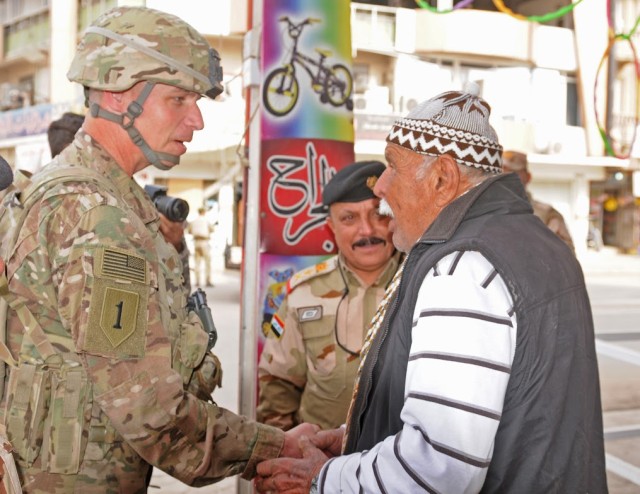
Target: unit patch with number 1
118, 306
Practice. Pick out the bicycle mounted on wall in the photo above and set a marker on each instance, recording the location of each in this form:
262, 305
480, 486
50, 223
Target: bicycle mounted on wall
281, 87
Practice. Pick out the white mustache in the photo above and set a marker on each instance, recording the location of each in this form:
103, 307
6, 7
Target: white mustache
384, 208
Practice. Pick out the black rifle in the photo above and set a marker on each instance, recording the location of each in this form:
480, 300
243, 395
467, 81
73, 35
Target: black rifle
197, 302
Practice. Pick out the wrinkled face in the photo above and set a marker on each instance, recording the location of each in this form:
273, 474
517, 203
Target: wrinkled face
405, 186
169, 119
362, 234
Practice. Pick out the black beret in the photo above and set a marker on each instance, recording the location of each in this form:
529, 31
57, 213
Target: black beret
353, 183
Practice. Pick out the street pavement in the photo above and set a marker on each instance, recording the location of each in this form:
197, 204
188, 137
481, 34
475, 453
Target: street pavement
613, 281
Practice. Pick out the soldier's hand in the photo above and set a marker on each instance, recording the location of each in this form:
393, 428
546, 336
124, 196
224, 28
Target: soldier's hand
291, 475
291, 448
330, 442
173, 232
1, 264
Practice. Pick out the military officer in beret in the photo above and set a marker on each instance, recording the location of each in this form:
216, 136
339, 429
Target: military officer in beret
309, 362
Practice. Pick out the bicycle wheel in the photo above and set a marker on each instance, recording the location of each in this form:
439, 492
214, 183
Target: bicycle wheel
280, 92
338, 85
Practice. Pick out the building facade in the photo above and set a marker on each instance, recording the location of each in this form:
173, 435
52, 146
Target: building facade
540, 79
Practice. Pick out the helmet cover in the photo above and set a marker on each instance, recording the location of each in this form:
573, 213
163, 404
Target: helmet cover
127, 45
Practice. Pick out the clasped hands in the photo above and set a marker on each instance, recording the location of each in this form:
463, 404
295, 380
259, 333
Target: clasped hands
306, 449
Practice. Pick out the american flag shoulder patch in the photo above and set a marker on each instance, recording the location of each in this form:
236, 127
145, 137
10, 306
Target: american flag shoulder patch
277, 326
121, 265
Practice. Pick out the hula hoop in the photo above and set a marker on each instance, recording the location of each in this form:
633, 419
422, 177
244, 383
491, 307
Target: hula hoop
535, 18
606, 137
423, 4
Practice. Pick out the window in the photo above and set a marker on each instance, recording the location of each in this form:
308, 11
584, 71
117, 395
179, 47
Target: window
360, 77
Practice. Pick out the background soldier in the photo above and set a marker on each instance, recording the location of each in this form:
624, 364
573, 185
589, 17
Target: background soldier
515, 161
113, 373
312, 352
62, 131
201, 229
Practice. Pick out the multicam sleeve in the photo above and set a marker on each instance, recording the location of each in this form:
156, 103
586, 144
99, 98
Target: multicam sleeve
110, 298
282, 370
557, 225
186, 270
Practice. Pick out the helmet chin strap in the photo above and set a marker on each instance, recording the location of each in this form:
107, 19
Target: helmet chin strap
126, 121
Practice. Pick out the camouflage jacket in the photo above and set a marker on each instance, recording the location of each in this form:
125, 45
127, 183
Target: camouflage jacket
305, 375
553, 219
115, 393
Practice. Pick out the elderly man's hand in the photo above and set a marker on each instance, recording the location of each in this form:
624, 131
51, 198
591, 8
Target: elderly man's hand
330, 442
291, 475
291, 448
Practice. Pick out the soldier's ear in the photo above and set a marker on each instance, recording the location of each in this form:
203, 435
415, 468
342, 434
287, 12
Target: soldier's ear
113, 101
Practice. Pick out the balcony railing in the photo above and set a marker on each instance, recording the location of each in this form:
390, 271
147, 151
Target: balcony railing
27, 35
12, 12
373, 27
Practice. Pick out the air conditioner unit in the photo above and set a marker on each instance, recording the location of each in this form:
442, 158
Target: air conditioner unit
11, 97
409, 104
378, 100
405, 104
359, 102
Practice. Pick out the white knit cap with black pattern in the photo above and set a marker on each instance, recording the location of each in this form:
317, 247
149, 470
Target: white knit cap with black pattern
454, 123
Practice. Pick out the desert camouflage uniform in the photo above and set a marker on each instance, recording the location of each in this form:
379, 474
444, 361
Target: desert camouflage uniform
304, 375
553, 219
110, 398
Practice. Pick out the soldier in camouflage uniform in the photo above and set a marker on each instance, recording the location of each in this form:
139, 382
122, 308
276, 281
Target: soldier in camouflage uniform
112, 373
515, 161
312, 352
61, 133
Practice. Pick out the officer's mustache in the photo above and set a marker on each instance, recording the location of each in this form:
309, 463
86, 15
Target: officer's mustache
384, 208
363, 242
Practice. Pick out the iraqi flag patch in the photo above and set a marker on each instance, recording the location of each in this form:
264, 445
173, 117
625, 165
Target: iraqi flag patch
277, 326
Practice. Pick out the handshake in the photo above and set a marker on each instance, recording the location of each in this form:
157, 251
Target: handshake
306, 449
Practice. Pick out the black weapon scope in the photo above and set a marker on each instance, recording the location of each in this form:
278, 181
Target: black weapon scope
173, 208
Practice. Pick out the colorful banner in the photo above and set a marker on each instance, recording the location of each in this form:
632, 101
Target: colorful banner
306, 67
293, 174
307, 120
29, 121
306, 136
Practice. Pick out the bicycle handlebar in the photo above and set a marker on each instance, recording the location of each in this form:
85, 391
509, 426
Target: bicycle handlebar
293, 25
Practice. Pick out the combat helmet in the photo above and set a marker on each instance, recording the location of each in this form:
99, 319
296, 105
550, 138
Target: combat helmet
127, 45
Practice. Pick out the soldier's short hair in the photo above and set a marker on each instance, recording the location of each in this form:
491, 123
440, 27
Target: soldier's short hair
61, 132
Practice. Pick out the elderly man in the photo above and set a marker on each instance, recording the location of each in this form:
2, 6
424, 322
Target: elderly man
110, 370
309, 362
479, 373
517, 162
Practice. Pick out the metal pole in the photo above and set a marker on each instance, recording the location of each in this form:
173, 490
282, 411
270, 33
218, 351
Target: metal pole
612, 68
250, 264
